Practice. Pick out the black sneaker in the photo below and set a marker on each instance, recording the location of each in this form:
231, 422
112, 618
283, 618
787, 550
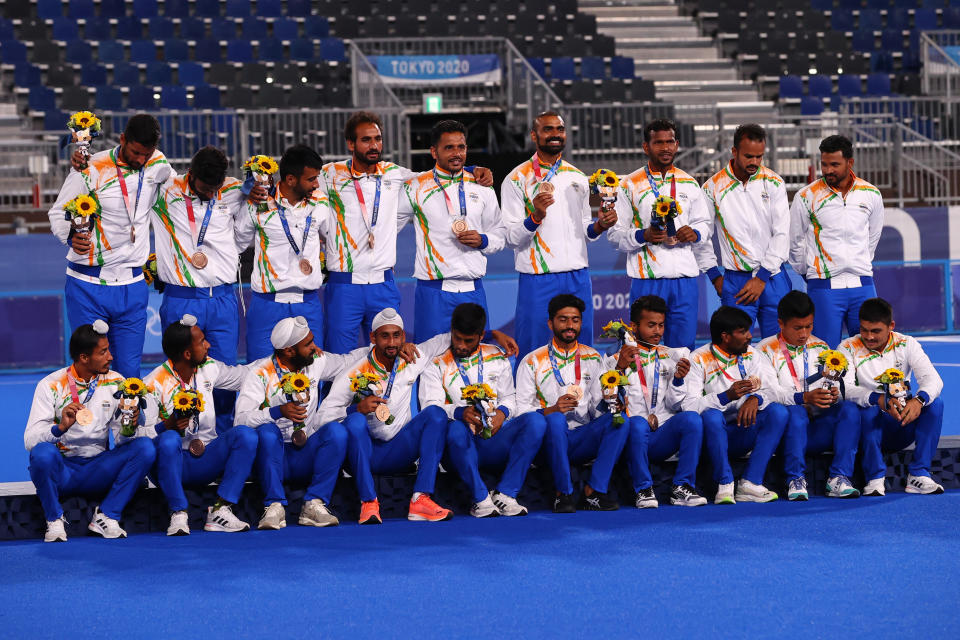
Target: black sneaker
645, 499
597, 501
686, 496
564, 503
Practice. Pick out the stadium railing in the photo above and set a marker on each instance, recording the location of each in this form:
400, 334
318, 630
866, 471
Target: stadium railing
940, 70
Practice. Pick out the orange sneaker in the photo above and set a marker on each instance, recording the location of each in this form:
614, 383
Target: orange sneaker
424, 509
370, 512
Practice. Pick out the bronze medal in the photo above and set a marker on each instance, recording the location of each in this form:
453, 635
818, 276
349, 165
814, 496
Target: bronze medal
546, 187
755, 380
299, 437
382, 412
199, 259
84, 417
197, 447
459, 226
305, 266
370, 240
574, 390
133, 235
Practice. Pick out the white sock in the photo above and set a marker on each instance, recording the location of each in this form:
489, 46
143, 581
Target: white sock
416, 494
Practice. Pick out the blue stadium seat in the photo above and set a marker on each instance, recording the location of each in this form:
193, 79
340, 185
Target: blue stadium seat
841, 21
206, 97
176, 50
93, 75
539, 65
881, 61
622, 67
190, 74
269, 8
298, 8
238, 9
820, 86
878, 4
110, 52
878, 84
142, 51
161, 28
109, 98
951, 17
145, 8
316, 27
27, 75
811, 106
49, 9
332, 49
126, 74
870, 19
593, 68
925, 19
791, 87
848, 5
141, 98
158, 74
223, 29
129, 28
97, 29
6, 30
270, 50
207, 50
892, 40
113, 8
239, 51
78, 52
822, 5
41, 99
176, 8
206, 9
254, 29
81, 9
562, 69
302, 49
174, 97
64, 29
193, 29
863, 41
849, 86
55, 120
898, 18
285, 29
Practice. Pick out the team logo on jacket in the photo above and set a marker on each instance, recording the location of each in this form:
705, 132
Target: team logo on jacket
208, 385
474, 197
765, 197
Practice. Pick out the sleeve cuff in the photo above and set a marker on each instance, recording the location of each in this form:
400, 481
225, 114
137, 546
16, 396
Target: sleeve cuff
530, 225
924, 397
592, 232
698, 235
275, 412
506, 412
55, 430
352, 409
723, 399
483, 241
798, 398
470, 168
713, 273
159, 428
758, 397
678, 382
458, 413
763, 274
540, 411
875, 398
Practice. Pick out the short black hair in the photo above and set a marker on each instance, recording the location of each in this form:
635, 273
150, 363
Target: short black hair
655, 304
727, 320
177, 338
209, 165
83, 341
446, 126
660, 124
544, 114
469, 319
143, 129
297, 158
357, 119
876, 310
834, 143
563, 301
795, 304
751, 132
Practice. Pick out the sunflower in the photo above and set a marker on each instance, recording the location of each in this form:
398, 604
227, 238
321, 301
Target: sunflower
610, 179
833, 360
84, 120
268, 165
663, 208
487, 391
134, 387
294, 382
469, 393
198, 403
610, 379
890, 376
182, 401
86, 205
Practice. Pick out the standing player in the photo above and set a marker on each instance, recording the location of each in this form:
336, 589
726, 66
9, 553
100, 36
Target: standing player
657, 264
752, 222
547, 215
104, 266
835, 225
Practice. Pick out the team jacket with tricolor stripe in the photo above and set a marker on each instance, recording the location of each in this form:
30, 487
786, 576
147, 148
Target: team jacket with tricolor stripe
901, 352
559, 243
538, 388
176, 244
832, 235
635, 201
441, 383
111, 248
751, 221
439, 255
668, 395
712, 371
787, 391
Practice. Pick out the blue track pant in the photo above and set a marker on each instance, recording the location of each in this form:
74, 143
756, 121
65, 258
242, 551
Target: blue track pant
598, 440
723, 438
317, 462
764, 309
835, 429
681, 434
123, 307
533, 296
681, 296
882, 433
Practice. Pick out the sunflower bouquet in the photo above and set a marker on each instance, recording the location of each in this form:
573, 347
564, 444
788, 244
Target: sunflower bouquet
604, 183
618, 330
261, 168
612, 385
665, 211
895, 386
132, 395
82, 211
366, 384
296, 386
150, 273
480, 396
833, 366
84, 127
187, 403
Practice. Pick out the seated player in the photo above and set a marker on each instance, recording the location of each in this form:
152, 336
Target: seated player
561, 381
820, 418
888, 422
67, 437
662, 431
515, 440
190, 449
294, 445
735, 391
382, 437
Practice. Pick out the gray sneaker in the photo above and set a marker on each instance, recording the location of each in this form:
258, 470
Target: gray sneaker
645, 499
316, 514
841, 487
274, 517
56, 531
797, 489
105, 526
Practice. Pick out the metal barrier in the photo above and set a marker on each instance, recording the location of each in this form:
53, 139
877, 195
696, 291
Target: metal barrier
941, 73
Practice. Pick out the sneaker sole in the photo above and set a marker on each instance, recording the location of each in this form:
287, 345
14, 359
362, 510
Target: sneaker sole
57, 539
874, 494
269, 527
307, 522
915, 491
179, 532
729, 500
743, 498
492, 514
372, 520
222, 529
679, 503
799, 497
844, 496
648, 505
415, 517
522, 512
97, 532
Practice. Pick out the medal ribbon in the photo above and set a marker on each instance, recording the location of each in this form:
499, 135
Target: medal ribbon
193, 222
556, 368
723, 367
371, 219
652, 396
123, 187
393, 373
535, 161
463, 197
286, 226
801, 387
463, 371
91, 388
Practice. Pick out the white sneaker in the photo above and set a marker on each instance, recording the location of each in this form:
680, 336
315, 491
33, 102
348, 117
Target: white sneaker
684, 495
841, 487
316, 514
179, 525
646, 499
875, 488
749, 492
922, 484
725, 494
485, 509
274, 517
508, 505
105, 526
56, 531
223, 520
